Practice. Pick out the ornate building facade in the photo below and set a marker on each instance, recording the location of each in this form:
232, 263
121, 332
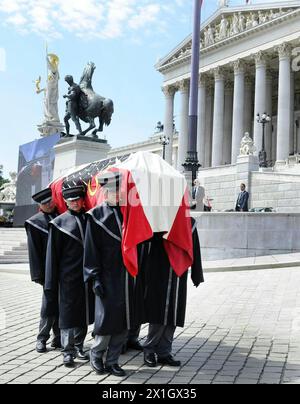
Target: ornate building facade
249, 65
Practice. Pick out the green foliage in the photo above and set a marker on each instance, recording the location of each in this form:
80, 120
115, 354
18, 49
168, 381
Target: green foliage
2, 180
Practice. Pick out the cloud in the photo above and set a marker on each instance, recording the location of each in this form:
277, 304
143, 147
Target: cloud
105, 19
88, 18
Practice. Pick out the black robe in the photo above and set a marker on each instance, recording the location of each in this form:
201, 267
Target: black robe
165, 292
121, 307
64, 271
37, 229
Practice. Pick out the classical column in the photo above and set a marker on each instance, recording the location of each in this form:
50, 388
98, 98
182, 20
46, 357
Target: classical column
248, 109
169, 92
218, 124
292, 123
228, 110
208, 126
274, 141
184, 87
260, 97
201, 138
284, 103
238, 109
269, 110
175, 156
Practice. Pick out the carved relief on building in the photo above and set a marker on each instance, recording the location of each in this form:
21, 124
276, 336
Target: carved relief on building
230, 25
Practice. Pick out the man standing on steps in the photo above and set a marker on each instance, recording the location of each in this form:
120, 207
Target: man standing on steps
37, 228
64, 275
242, 201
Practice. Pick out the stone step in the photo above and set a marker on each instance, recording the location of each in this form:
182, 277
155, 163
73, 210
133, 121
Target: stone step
12, 231
13, 260
14, 253
13, 246
13, 241
20, 248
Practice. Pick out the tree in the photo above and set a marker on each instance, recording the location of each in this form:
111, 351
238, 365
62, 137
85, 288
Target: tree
2, 180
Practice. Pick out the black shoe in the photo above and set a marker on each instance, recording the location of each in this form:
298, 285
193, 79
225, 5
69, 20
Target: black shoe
135, 345
56, 344
150, 360
41, 347
115, 370
69, 361
169, 360
81, 355
97, 365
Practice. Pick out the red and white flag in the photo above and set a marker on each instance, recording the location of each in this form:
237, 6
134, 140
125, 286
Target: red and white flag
155, 200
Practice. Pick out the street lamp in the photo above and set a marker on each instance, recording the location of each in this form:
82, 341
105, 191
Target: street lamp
264, 119
191, 163
164, 141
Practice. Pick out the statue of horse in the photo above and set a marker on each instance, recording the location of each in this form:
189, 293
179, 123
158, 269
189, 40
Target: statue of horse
92, 105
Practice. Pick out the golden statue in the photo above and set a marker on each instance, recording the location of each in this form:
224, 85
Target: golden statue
53, 62
38, 86
51, 123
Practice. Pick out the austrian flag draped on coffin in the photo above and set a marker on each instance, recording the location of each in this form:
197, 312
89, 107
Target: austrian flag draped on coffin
154, 200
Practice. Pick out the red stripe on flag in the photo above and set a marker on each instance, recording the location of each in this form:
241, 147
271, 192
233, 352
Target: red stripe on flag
179, 245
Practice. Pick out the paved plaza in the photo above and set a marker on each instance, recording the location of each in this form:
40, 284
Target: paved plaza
242, 328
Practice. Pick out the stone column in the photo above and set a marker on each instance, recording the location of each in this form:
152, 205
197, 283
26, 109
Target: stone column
208, 126
169, 92
260, 97
201, 138
269, 109
218, 123
238, 109
228, 110
184, 87
274, 141
248, 109
284, 104
292, 123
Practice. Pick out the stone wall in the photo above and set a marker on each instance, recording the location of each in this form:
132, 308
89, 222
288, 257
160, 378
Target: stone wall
220, 185
240, 235
276, 189
279, 191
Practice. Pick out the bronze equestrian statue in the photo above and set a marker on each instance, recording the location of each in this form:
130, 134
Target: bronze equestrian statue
83, 103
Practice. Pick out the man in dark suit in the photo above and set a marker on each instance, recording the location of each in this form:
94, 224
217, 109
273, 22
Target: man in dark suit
242, 201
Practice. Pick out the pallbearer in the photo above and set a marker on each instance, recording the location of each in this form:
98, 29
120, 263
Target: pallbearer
165, 300
115, 289
37, 229
64, 275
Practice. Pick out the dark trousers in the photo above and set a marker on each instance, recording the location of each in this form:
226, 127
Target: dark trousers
72, 339
111, 344
46, 324
133, 334
160, 340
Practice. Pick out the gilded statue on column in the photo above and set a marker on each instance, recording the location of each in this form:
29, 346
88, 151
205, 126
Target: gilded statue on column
51, 123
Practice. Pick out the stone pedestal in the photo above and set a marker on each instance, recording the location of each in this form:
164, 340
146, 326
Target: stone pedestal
49, 128
245, 165
71, 152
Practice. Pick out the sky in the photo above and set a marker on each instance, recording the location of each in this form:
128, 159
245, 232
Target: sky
124, 38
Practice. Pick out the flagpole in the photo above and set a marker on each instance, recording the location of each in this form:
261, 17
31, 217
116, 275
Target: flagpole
192, 163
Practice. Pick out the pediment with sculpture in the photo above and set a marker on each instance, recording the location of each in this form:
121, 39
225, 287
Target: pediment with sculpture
227, 23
